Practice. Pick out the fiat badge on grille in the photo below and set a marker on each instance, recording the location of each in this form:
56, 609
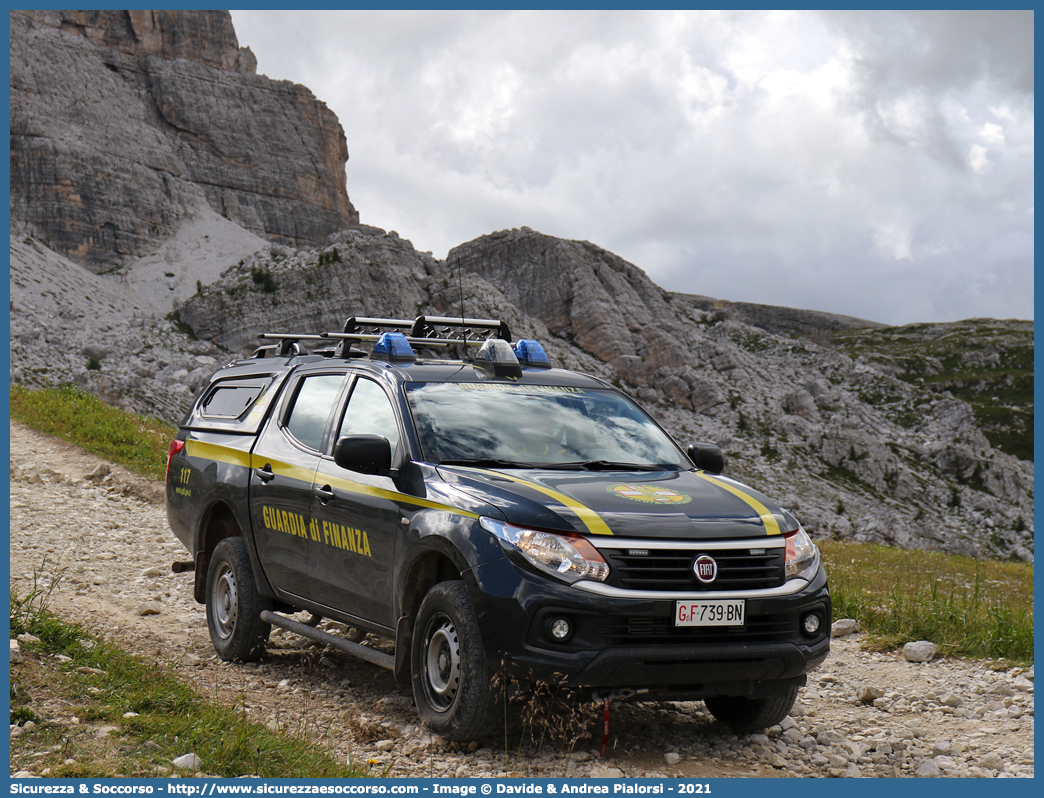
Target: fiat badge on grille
705, 568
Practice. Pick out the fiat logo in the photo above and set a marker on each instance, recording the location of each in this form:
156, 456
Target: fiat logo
705, 568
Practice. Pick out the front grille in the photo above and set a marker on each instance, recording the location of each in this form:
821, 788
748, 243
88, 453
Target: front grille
671, 569
636, 631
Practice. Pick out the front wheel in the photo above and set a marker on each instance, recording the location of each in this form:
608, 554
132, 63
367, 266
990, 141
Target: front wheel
453, 685
233, 604
752, 714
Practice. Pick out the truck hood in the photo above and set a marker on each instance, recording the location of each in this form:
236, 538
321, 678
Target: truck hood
635, 504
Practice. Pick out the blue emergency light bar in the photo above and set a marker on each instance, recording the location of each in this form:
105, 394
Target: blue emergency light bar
531, 354
496, 356
393, 346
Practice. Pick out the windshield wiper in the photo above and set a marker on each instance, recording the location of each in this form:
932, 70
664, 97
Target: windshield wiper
486, 462
607, 465
584, 465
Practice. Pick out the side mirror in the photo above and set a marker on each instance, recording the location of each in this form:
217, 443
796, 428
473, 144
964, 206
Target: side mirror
367, 454
706, 457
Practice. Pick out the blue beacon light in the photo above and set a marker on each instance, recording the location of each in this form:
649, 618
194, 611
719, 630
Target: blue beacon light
393, 346
530, 353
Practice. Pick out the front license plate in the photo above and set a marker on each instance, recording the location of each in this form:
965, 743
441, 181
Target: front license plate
710, 612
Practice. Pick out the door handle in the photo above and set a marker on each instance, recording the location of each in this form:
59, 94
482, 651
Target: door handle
265, 474
323, 494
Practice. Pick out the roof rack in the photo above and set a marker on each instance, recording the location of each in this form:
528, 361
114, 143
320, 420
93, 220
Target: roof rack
423, 331
440, 326
288, 345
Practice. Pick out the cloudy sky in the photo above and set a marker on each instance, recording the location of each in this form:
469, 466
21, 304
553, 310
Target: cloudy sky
876, 164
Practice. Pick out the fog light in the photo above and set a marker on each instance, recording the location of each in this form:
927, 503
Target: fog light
560, 629
810, 623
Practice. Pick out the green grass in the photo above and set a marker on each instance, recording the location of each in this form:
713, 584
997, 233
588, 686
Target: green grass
100, 683
136, 442
968, 607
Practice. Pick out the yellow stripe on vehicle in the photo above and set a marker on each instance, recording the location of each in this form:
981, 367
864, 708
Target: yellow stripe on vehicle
592, 520
226, 454
217, 452
767, 518
284, 469
391, 495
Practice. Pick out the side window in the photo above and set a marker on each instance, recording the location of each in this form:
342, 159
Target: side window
315, 397
370, 412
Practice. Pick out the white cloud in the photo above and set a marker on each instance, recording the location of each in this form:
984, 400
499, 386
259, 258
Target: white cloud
992, 134
979, 158
894, 241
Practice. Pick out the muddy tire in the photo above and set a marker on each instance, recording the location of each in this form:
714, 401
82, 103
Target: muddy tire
234, 606
454, 688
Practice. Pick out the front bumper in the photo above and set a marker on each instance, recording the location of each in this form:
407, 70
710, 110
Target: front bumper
632, 643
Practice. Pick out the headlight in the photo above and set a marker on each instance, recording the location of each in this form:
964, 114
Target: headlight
802, 556
563, 556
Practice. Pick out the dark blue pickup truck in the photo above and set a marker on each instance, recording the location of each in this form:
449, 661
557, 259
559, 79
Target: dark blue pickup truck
504, 522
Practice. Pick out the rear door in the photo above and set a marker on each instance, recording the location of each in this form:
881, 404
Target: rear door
282, 469
357, 515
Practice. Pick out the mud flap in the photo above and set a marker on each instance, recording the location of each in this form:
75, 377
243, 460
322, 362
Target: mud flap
199, 585
403, 641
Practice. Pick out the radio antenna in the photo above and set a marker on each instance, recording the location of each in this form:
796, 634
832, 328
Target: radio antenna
460, 285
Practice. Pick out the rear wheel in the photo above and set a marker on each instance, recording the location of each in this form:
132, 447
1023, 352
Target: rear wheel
453, 684
752, 714
233, 604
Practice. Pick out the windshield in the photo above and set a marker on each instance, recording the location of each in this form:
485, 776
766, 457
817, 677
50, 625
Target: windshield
545, 425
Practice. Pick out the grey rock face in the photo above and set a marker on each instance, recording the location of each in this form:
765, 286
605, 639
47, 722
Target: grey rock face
124, 121
63, 315
363, 271
801, 403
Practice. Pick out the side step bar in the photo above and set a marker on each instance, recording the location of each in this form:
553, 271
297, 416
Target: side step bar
318, 635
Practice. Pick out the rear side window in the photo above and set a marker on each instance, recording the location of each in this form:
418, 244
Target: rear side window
315, 398
230, 399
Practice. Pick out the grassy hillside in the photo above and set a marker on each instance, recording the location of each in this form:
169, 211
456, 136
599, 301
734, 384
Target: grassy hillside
137, 442
979, 608
985, 362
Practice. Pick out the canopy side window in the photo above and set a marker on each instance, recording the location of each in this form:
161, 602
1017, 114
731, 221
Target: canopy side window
230, 399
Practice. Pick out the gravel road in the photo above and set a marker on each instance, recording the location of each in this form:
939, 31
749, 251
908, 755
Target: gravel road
862, 714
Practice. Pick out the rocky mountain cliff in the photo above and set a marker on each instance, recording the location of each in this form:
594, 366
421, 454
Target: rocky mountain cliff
987, 363
852, 449
125, 122
865, 432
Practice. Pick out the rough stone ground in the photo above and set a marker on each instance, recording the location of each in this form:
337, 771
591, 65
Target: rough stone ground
107, 534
